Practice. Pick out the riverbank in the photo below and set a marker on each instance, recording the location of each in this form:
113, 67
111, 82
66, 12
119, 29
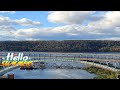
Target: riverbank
101, 73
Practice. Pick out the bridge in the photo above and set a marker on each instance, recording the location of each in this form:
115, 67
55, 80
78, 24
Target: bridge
104, 64
5, 70
107, 61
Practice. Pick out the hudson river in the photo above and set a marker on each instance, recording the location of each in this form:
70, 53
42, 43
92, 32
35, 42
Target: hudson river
52, 74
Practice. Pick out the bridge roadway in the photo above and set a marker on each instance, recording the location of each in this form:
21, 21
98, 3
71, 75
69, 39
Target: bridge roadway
84, 61
7, 69
101, 66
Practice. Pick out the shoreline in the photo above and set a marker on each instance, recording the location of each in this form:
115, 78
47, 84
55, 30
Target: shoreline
101, 73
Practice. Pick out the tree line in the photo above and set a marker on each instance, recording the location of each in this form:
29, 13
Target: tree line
62, 46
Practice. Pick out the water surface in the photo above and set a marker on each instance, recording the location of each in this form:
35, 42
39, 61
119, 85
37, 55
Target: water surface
51, 74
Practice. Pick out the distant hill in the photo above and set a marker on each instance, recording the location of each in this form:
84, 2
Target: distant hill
62, 46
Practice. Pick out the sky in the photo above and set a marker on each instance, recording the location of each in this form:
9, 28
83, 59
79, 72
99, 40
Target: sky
59, 25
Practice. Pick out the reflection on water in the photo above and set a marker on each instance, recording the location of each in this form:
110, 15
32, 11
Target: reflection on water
51, 74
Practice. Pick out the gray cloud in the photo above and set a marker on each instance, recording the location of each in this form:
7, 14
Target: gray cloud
69, 17
105, 27
22, 22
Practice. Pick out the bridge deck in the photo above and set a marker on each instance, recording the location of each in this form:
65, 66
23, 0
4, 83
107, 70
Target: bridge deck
5, 70
101, 66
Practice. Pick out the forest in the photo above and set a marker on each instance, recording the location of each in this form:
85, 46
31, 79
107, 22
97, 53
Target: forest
61, 46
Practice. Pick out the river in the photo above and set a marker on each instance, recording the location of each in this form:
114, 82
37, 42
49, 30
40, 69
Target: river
52, 74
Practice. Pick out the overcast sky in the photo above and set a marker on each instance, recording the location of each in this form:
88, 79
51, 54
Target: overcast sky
59, 25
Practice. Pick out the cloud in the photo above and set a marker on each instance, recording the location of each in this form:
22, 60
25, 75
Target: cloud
33, 33
22, 22
72, 31
69, 17
57, 33
7, 28
10, 12
7, 33
27, 22
5, 20
107, 24
104, 26
61, 32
